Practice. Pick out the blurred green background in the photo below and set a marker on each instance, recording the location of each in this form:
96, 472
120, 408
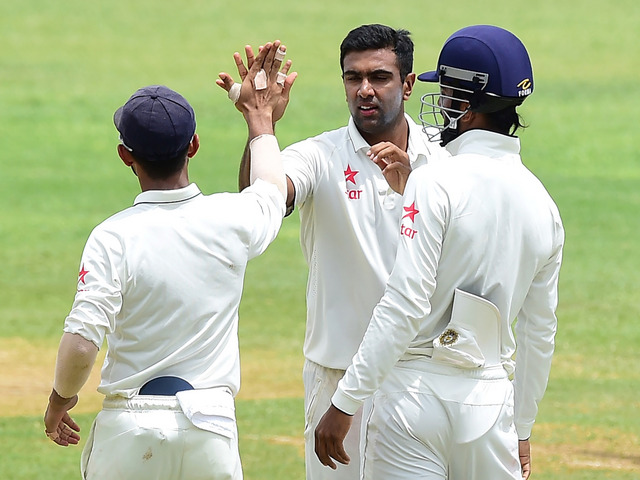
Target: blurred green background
66, 66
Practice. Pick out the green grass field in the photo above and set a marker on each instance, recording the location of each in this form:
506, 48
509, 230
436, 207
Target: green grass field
66, 66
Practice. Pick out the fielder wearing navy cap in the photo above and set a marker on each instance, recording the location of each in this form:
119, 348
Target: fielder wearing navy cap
156, 124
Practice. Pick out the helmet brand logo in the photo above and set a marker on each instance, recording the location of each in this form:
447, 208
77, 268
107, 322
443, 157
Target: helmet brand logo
525, 87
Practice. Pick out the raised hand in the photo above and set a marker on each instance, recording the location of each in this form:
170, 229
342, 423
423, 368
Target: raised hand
285, 79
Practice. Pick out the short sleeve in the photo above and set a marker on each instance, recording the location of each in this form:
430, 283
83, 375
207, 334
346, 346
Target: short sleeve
99, 295
300, 163
265, 215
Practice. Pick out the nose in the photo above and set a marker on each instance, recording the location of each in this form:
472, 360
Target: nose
366, 89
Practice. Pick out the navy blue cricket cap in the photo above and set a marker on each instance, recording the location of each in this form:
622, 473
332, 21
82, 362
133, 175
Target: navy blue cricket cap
486, 58
156, 123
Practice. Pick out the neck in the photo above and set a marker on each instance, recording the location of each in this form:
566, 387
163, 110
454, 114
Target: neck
398, 135
179, 180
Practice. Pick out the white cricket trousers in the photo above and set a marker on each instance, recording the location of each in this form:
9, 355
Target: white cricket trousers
148, 437
320, 383
432, 421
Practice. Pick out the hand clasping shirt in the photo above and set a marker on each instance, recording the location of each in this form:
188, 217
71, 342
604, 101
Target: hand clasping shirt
162, 280
348, 233
479, 221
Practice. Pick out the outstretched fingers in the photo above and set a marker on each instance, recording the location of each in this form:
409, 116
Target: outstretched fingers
242, 70
225, 81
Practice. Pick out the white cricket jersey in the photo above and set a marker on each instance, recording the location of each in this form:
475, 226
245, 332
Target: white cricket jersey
349, 235
479, 221
162, 281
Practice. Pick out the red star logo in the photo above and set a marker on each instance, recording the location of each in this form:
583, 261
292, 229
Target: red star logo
82, 274
412, 211
350, 175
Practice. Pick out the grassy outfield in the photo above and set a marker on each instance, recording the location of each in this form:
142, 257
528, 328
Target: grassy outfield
66, 66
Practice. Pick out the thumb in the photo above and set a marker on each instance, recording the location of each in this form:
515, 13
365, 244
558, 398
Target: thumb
225, 81
288, 83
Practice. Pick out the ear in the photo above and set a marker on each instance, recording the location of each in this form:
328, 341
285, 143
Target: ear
468, 120
193, 146
125, 155
407, 87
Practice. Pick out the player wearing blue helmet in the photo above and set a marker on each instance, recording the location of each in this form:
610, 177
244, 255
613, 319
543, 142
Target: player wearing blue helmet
481, 69
481, 251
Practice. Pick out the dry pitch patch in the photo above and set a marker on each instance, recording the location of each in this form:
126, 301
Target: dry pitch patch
27, 376
589, 449
27, 373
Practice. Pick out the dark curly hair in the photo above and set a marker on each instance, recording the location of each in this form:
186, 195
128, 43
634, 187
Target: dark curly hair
376, 36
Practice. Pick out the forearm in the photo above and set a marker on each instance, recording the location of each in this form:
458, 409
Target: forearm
535, 332
266, 162
244, 179
76, 357
389, 334
244, 174
531, 377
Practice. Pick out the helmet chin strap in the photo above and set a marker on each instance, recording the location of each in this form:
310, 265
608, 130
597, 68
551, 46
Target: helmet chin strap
447, 135
450, 131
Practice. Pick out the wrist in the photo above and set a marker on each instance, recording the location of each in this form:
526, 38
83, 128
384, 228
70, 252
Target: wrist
56, 399
259, 117
259, 126
345, 403
341, 411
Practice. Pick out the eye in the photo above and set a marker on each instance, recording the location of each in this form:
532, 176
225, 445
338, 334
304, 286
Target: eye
352, 77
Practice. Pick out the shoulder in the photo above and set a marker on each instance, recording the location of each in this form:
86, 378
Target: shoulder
445, 174
316, 150
116, 222
325, 141
421, 143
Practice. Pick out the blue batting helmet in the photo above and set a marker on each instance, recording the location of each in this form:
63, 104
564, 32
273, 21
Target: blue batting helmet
485, 58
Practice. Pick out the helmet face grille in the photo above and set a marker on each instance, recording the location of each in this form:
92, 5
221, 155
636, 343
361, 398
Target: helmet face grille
441, 111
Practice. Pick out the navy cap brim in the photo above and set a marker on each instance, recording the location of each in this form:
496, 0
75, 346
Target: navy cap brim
429, 76
117, 117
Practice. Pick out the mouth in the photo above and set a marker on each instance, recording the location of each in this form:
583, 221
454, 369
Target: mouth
367, 110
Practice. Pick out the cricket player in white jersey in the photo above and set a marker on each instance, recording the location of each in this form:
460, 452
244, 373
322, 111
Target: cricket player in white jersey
349, 214
481, 247
161, 281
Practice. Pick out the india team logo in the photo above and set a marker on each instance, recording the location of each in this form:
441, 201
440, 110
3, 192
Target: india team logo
448, 337
350, 177
410, 212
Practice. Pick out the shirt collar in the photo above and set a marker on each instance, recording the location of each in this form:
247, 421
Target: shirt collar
168, 196
417, 144
357, 141
484, 142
